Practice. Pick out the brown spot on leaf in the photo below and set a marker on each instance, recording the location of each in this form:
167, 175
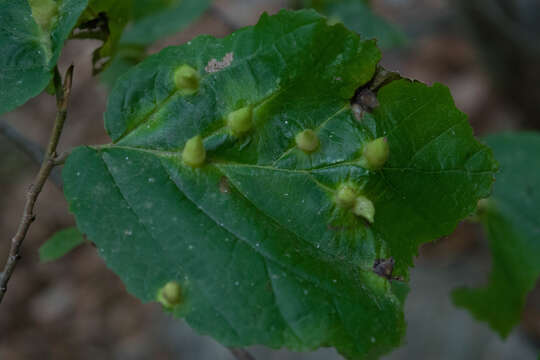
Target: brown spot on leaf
224, 186
365, 98
384, 267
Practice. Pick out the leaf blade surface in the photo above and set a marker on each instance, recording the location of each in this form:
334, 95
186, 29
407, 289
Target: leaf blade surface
254, 236
510, 219
30, 50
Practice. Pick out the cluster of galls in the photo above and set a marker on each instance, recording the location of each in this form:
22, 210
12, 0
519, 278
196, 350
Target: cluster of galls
239, 122
374, 155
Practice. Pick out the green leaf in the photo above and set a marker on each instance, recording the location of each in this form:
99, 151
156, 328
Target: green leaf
262, 235
60, 244
510, 217
149, 21
116, 14
156, 19
31, 38
358, 16
125, 58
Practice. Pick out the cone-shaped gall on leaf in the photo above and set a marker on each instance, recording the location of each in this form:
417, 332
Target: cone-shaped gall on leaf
170, 295
482, 208
333, 20
186, 79
240, 121
364, 207
307, 140
375, 153
483, 204
194, 153
44, 12
345, 195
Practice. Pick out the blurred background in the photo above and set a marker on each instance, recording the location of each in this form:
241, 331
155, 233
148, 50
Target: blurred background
486, 51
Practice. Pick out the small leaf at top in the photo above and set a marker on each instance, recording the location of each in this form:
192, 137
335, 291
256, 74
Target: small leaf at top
110, 18
511, 218
32, 34
155, 19
149, 21
358, 16
263, 242
60, 244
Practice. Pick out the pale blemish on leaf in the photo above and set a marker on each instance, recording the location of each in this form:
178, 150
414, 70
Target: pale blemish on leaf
215, 65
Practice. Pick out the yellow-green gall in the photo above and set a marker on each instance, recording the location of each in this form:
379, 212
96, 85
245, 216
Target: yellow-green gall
186, 79
194, 153
240, 121
364, 207
345, 195
44, 12
170, 295
307, 140
375, 154
333, 20
483, 204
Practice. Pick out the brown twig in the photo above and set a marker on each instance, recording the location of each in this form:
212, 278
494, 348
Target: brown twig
50, 160
241, 354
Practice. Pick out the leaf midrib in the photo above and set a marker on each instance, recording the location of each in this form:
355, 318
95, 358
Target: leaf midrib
330, 293
158, 106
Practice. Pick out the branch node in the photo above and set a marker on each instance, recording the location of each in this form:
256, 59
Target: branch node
50, 160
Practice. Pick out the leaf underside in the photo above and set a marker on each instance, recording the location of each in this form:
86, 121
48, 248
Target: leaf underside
511, 221
261, 250
30, 51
